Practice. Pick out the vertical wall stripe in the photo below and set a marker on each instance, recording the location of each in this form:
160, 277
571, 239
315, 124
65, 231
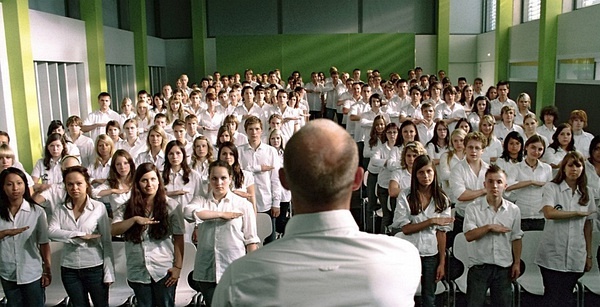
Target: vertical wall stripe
22, 80
443, 36
139, 27
547, 53
504, 20
199, 36
91, 14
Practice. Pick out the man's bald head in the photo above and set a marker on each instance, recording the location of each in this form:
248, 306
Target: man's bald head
320, 164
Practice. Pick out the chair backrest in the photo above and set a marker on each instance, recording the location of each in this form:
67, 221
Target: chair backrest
189, 258
55, 293
263, 226
460, 253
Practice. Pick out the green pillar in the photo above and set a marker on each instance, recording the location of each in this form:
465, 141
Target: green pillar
199, 37
504, 20
139, 27
546, 84
21, 73
91, 14
443, 35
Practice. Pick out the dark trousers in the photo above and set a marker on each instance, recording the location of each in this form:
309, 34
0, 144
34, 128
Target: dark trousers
428, 271
361, 147
31, 294
154, 294
372, 204
315, 114
558, 287
330, 113
496, 278
81, 283
282, 219
457, 228
339, 117
532, 224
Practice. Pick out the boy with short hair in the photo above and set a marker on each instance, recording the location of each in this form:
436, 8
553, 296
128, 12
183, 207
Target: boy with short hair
578, 121
507, 125
85, 144
191, 128
96, 121
492, 224
502, 100
180, 134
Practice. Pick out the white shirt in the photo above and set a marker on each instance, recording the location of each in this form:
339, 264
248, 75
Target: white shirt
496, 105
47, 176
562, 247
492, 248
266, 184
426, 239
151, 259
425, 133
411, 111
239, 139
86, 149
97, 117
314, 98
582, 143
432, 153
358, 109
463, 178
501, 131
332, 93
402, 177
528, 198
474, 120
241, 110
544, 131
520, 117
20, 258
221, 241
492, 150
212, 123
552, 156
99, 171
356, 268
445, 171
443, 111
380, 155
146, 156
138, 146
115, 200
79, 253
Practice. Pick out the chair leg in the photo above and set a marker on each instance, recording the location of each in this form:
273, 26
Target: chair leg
580, 294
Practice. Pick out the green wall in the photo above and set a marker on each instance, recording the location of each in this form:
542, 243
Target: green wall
316, 52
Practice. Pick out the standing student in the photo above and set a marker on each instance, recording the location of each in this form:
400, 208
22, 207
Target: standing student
97, 120
276, 140
528, 178
512, 152
243, 181
578, 121
46, 170
502, 100
507, 124
562, 143
530, 123
156, 141
227, 230
439, 144
565, 249
523, 105
126, 110
202, 156
152, 226
84, 143
481, 107
87, 264
132, 142
426, 127
423, 215
25, 262
549, 117
493, 150
117, 187
455, 154
263, 161
449, 111
493, 223
144, 117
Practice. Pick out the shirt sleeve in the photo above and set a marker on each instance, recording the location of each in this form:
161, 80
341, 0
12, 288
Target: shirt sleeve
402, 212
446, 213
249, 223
470, 221
548, 196
42, 228
107, 249
457, 182
516, 232
275, 183
176, 220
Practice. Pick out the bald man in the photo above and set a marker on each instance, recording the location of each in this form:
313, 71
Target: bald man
323, 259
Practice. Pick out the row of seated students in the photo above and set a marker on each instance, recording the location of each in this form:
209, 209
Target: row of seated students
191, 153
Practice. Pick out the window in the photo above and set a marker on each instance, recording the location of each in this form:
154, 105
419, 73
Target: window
585, 3
121, 83
577, 69
523, 71
531, 10
60, 87
158, 78
489, 16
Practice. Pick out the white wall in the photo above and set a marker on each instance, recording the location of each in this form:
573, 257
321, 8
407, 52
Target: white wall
578, 33
463, 57
118, 46
7, 120
425, 53
486, 52
57, 39
465, 16
524, 42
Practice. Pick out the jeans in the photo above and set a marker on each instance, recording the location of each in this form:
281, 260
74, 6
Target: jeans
558, 287
484, 276
532, 224
79, 283
388, 216
315, 114
30, 295
154, 294
429, 266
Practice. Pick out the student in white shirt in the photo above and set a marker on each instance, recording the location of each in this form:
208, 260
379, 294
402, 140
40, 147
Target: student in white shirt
202, 156
493, 149
439, 143
25, 262
449, 111
87, 265
126, 111
376, 139
84, 143
46, 170
592, 170
481, 107
263, 161
507, 124
227, 229
211, 119
527, 180
56, 126
276, 140
152, 226
578, 120
502, 100
549, 117
562, 143
155, 146
113, 130
423, 215
117, 187
565, 249
467, 177
7, 159
523, 104
97, 120
512, 153
232, 123
243, 180
455, 154
530, 123
426, 127
132, 142
493, 224
182, 183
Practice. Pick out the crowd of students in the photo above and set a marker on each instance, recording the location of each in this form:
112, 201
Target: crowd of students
197, 163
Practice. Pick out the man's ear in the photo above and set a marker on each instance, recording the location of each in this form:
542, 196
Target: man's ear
358, 178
